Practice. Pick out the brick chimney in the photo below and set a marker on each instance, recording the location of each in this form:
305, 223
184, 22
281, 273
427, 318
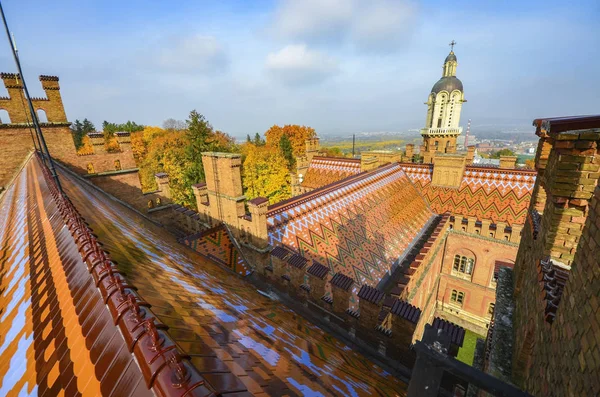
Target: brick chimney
508, 162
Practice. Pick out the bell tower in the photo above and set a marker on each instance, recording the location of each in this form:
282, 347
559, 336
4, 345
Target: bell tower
444, 105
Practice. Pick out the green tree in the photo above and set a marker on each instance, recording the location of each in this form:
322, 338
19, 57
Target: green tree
80, 130
77, 132
502, 152
201, 137
248, 139
258, 140
287, 151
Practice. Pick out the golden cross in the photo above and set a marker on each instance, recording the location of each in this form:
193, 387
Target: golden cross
452, 44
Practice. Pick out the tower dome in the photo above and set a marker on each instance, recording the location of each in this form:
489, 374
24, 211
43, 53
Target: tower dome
447, 83
444, 105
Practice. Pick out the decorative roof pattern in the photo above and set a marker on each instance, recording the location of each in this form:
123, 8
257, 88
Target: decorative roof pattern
501, 195
325, 170
217, 245
240, 341
357, 227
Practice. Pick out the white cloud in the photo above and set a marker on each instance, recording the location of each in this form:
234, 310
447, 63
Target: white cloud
383, 25
302, 19
296, 64
193, 54
368, 25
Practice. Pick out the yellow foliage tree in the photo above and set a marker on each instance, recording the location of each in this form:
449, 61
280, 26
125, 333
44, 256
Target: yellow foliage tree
112, 145
530, 164
86, 147
265, 174
166, 153
298, 134
141, 140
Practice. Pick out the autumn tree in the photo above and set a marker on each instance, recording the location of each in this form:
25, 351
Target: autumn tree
140, 140
264, 175
530, 164
332, 152
167, 153
502, 152
297, 134
86, 146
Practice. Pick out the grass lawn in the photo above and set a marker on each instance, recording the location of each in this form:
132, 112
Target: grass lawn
466, 352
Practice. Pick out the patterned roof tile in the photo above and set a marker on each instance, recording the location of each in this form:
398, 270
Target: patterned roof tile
358, 226
501, 195
325, 170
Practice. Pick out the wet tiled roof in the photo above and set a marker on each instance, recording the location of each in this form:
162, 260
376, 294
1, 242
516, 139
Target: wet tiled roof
236, 338
457, 333
370, 294
342, 281
325, 170
318, 270
72, 327
405, 310
501, 195
358, 226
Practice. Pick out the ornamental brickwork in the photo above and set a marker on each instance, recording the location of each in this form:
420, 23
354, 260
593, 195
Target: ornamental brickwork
557, 283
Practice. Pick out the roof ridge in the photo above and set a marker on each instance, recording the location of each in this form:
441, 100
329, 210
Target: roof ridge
297, 200
340, 159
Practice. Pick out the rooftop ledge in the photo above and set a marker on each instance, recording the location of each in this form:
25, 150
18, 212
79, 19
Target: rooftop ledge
222, 154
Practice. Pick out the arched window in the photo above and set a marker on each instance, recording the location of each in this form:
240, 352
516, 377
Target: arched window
118, 165
41, 116
491, 309
150, 204
4, 117
90, 168
457, 297
463, 266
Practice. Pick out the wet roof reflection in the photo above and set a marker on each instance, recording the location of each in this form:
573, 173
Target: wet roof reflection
235, 336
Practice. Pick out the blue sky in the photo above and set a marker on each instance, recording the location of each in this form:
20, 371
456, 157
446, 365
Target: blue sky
340, 66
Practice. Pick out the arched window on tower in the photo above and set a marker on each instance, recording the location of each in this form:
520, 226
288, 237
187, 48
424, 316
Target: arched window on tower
4, 117
41, 116
463, 266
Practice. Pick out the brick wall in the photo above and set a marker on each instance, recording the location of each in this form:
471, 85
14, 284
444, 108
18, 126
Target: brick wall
479, 289
564, 357
557, 277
